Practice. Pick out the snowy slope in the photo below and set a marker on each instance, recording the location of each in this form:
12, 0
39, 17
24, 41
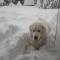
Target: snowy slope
18, 18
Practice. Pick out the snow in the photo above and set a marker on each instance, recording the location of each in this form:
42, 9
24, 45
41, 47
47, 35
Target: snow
18, 18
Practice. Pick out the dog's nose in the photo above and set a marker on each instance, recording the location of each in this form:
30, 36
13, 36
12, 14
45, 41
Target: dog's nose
35, 37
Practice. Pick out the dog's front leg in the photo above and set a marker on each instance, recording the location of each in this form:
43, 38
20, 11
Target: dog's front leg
27, 49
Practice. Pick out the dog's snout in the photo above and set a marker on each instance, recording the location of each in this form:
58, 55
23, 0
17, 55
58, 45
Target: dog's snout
35, 37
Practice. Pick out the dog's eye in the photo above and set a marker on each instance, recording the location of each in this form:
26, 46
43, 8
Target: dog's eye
38, 30
33, 30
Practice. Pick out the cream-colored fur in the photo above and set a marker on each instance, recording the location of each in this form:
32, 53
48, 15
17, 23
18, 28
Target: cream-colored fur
35, 38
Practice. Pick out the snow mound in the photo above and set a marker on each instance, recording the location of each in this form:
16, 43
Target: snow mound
18, 18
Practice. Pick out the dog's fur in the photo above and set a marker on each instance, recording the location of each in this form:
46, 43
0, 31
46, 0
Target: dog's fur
36, 37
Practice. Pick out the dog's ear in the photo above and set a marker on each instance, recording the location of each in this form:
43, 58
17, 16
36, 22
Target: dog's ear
43, 28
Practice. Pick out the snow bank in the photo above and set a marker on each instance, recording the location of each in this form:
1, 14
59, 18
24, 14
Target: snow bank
18, 18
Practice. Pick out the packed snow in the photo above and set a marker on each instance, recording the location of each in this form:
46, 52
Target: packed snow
18, 18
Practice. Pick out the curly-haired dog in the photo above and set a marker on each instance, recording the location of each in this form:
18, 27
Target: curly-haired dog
36, 37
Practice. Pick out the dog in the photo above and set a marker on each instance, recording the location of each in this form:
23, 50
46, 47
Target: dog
36, 37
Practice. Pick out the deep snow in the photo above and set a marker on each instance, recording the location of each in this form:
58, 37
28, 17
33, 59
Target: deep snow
18, 18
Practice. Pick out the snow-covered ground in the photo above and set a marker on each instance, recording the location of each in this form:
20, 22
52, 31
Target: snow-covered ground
18, 18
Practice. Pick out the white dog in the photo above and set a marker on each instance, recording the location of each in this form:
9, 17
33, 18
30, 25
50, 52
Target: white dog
35, 38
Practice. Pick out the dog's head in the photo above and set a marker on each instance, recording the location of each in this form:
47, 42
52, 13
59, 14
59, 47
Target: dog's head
38, 32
